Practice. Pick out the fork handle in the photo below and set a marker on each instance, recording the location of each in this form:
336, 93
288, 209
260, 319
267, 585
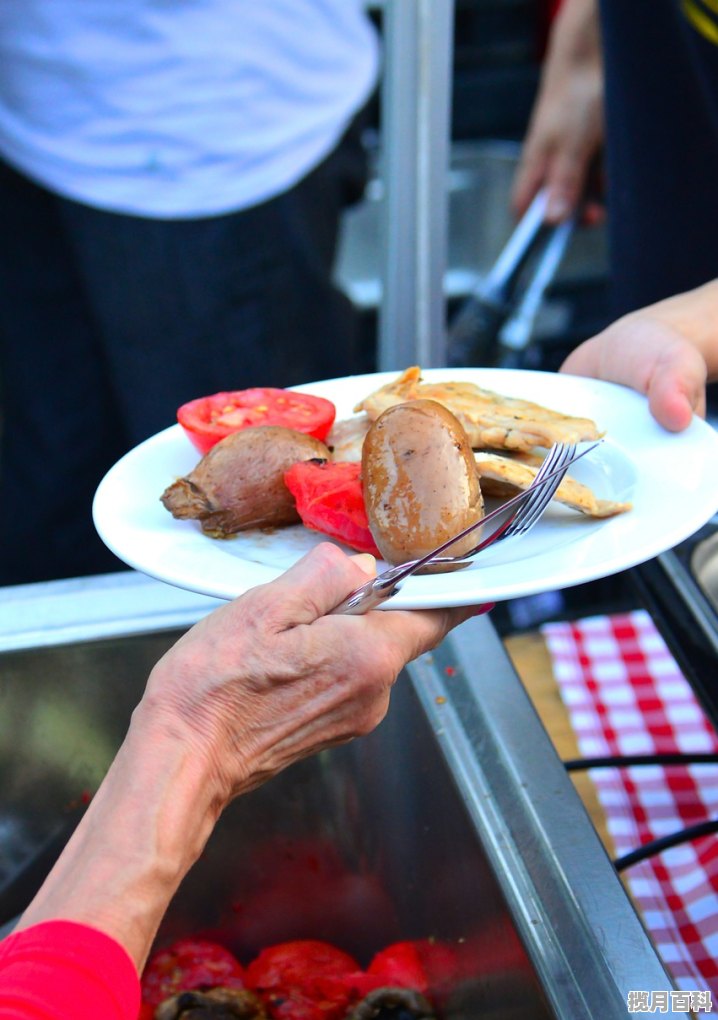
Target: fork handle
370, 596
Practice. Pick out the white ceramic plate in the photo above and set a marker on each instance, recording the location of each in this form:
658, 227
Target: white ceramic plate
671, 480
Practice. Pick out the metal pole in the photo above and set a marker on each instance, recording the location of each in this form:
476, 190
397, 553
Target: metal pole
416, 106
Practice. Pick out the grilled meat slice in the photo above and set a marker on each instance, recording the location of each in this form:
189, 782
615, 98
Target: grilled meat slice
489, 419
503, 476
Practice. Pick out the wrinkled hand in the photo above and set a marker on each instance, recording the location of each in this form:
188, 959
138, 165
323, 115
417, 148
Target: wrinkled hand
269, 678
258, 684
565, 134
652, 356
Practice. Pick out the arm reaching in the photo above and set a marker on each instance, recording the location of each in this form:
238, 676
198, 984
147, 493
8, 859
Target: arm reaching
566, 129
668, 351
259, 684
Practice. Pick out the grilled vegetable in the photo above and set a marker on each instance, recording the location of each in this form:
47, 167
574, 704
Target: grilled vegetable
239, 484
329, 499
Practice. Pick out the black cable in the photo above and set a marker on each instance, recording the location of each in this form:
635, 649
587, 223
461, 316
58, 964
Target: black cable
624, 761
657, 846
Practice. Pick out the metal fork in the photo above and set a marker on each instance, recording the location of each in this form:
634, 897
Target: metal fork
524, 510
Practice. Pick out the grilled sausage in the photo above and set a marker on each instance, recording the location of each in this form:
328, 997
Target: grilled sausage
419, 481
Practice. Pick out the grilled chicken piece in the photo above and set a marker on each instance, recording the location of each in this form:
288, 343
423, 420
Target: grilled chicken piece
504, 476
489, 419
346, 438
215, 1004
239, 484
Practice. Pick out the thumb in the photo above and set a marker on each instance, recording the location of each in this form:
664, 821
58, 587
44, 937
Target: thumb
318, 582
366, 562
676, 389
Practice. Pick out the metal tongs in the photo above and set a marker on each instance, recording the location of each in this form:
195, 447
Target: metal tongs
523, 511
495, 324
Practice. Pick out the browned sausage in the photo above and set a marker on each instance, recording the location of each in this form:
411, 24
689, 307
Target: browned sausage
419, 481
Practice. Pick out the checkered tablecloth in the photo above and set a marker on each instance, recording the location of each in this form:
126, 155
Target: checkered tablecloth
626, 695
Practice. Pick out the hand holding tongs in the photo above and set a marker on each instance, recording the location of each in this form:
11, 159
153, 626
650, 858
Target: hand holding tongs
524, 511
494, 326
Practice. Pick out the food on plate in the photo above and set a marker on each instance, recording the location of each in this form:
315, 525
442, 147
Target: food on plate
329, 499
419, 481
221, 1003
504, 476
206, 420
393, 484
189, 965
489, 419
501, 475
239, 484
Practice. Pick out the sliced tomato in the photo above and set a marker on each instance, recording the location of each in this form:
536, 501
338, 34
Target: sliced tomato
329, 499
188, 965
209, 419
302, 980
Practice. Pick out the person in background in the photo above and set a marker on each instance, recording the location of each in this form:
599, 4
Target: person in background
638, 83
566, 129
258, 684
172, 178
643, 79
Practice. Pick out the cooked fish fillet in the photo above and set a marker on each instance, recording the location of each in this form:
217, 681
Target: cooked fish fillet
502, 476
490, 419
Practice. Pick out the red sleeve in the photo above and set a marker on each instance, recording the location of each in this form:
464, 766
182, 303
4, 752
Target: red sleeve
61, 970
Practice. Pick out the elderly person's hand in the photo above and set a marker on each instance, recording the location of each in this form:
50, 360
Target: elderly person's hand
270, 678
667, 351
260, 683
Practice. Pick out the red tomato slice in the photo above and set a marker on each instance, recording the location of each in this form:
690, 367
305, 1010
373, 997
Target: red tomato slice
188, 965
329, 499
302, 980
209, 419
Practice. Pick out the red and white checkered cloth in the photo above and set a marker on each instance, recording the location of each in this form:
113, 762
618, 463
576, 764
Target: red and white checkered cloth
626, 695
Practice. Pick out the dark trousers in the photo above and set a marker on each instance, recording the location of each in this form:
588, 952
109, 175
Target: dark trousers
109, 322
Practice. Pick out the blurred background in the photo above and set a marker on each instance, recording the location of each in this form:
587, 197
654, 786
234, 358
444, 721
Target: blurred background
499, 46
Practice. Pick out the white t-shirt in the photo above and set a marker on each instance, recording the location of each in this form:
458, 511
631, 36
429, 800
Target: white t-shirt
178, 108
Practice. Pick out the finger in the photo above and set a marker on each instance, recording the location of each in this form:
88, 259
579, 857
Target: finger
676, 389
318, 582
584, 360
661, 365
410, 633
367, 562
528, 179
565, 183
